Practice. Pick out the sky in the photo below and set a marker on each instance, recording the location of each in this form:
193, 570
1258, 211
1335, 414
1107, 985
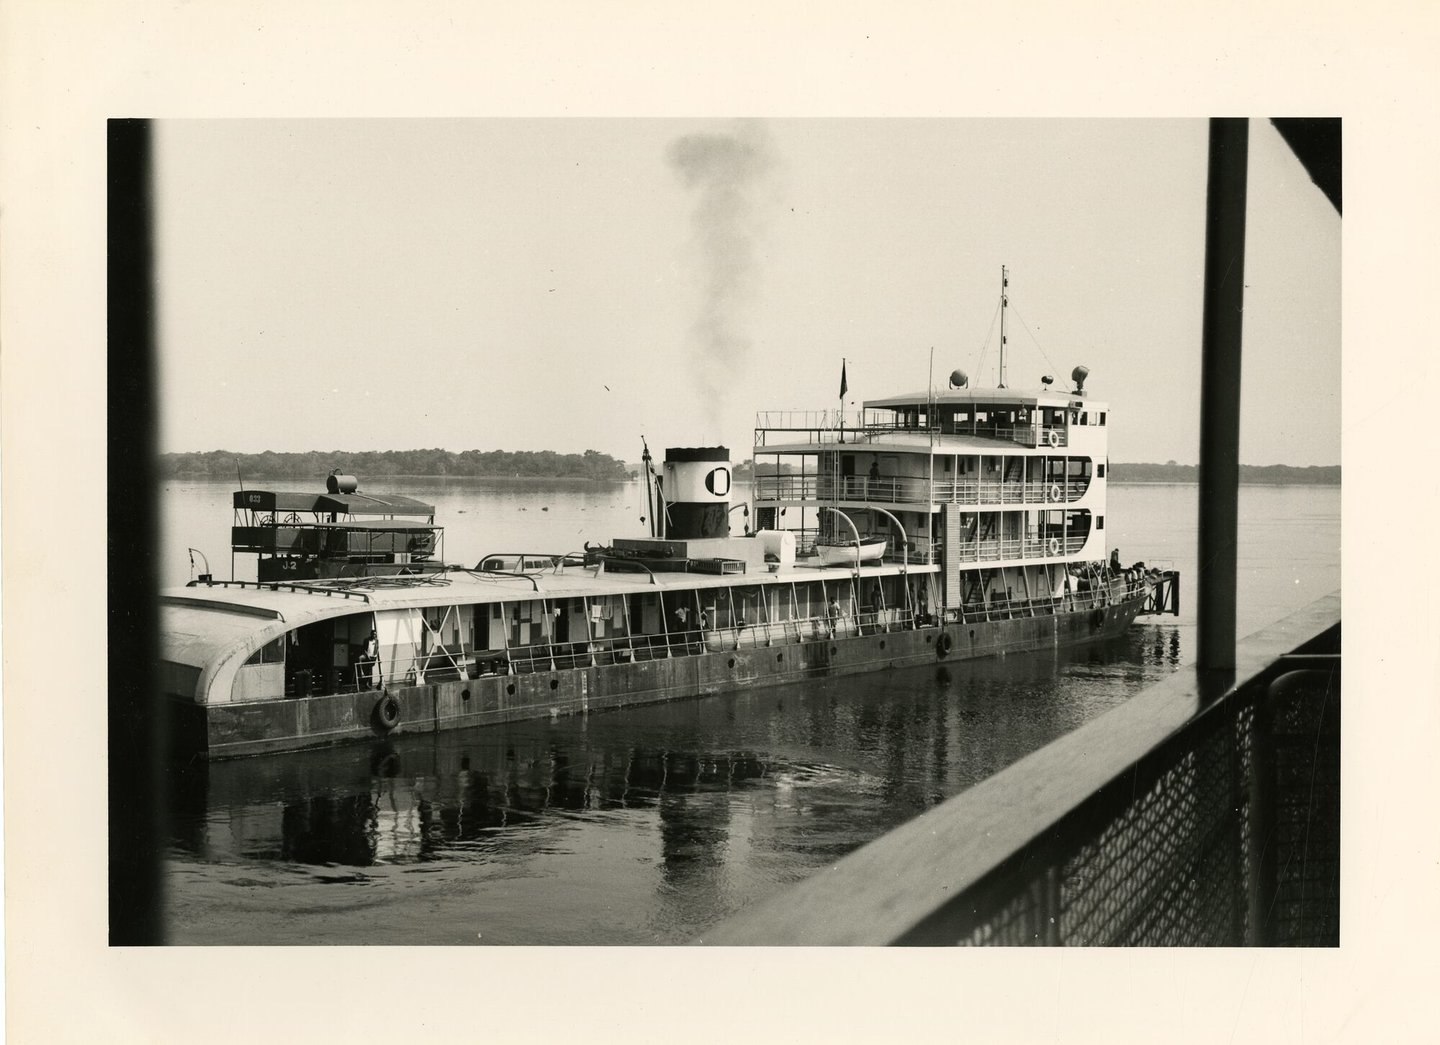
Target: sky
572, 284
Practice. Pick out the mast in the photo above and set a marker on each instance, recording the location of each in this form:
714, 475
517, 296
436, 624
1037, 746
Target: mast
930, 492
649, 495
1004, 301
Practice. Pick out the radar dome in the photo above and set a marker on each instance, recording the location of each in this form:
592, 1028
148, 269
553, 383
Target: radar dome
959, 379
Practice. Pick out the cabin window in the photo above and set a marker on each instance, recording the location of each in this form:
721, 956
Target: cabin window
1100, 522
272, 652
1102, 417
1100, 471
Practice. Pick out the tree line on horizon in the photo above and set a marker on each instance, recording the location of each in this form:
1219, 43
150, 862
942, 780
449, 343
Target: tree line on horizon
591, 464
316, 464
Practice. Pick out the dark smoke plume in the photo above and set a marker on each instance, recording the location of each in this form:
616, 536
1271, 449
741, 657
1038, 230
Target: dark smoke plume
726, 172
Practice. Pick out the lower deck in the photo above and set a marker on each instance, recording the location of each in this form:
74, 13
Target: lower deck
681, 666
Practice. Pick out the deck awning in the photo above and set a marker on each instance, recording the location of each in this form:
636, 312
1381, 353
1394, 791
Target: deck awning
344, 503
372, 504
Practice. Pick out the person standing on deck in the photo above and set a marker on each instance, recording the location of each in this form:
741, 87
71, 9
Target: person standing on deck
682, 625
834, 614
369, 656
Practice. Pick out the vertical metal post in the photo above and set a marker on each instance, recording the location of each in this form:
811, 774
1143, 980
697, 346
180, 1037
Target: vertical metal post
1220, 391
138, 736
1260, 867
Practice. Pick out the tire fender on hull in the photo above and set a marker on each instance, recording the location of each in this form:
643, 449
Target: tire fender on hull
386, 715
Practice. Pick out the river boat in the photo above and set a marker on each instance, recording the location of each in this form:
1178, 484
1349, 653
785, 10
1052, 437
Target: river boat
979, 517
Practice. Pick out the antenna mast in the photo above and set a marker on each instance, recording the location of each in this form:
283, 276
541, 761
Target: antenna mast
1004, 300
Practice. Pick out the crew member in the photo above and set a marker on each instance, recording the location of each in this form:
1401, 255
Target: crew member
682, 625
369, 656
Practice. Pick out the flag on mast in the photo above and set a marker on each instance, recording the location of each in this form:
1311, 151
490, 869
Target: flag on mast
844, 385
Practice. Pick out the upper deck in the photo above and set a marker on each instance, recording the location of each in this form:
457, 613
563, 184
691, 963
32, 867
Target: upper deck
975, 420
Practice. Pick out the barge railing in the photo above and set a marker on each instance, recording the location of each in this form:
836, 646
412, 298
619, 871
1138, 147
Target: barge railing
863, 618
1200, 812
444, 664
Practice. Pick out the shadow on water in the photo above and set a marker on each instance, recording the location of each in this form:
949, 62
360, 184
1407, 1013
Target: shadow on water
814, 769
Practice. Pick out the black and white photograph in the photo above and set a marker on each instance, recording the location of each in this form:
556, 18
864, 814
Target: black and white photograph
777, 539
451, 653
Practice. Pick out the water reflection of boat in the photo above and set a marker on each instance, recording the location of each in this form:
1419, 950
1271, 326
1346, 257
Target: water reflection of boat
978, 515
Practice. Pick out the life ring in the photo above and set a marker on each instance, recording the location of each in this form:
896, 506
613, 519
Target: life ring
1055, 491
1054, 545
387, 712
942, 645
1053, 438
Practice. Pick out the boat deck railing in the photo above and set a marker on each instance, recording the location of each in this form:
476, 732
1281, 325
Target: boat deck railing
917, 490
1203, 811
1031, 546
1099, 597
830, 428
443, 664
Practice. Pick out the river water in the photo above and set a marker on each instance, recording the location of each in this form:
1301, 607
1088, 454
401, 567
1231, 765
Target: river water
649, 825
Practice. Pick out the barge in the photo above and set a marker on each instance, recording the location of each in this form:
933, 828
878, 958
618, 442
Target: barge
989, 503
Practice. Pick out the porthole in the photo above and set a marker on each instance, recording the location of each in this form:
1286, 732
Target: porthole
732, 662
464, 694
554, 683
882, 643
510, 689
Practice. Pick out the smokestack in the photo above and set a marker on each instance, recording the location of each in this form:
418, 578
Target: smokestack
697, 492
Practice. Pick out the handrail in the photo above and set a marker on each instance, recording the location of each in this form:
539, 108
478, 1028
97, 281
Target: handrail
916, 490
823, 428
443, 663
925, 881
307, 589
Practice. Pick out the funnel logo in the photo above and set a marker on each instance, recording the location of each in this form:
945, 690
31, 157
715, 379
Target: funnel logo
718, 481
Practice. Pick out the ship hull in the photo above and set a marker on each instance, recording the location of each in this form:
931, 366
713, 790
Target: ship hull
233, 730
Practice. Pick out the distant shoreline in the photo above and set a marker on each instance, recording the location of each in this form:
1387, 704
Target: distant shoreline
380, 477
315, 465
577, 479
1243, 482
590, 466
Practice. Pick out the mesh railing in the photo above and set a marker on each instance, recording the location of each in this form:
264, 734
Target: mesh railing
1197, 814
1230, 837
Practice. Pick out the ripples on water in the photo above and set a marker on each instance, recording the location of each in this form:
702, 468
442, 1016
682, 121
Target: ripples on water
642, 826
